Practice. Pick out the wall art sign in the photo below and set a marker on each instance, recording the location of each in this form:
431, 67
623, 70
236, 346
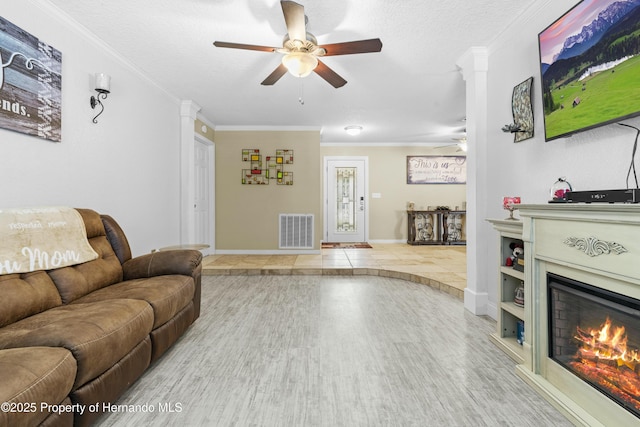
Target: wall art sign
30, 84
436, 169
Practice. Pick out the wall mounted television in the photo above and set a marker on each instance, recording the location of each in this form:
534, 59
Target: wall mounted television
590, 66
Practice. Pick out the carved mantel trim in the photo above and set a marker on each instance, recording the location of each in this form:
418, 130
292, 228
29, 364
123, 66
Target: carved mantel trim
593, 246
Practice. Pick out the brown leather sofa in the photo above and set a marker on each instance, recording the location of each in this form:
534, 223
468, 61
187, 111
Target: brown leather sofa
75, 338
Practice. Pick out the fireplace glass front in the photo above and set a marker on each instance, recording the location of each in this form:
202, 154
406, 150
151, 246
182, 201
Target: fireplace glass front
595, 334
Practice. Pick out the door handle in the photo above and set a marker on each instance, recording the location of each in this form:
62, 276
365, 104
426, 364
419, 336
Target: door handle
361, 203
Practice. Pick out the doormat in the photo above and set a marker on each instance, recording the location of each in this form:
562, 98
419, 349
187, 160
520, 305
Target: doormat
329, 245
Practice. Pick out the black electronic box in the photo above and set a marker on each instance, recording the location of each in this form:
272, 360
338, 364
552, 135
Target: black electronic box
631, 195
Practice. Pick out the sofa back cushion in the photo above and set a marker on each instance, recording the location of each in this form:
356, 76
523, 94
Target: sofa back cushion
23, 295
79, 280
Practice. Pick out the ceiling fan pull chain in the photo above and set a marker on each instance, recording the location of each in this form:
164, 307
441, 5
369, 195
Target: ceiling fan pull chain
301, 98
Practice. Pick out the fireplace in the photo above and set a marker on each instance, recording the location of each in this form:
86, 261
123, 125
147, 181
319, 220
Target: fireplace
582, 286
595, 334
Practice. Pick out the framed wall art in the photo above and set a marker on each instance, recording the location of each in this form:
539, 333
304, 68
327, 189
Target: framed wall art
522, 110
30, 84
262, 171
436, 169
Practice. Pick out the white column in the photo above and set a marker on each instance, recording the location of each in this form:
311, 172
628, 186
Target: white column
474, 65
188, 112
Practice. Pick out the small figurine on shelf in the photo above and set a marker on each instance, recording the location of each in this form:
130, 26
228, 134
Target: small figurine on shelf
517, 259
517, 252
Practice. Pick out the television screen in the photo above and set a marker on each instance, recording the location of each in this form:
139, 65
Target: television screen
590, 66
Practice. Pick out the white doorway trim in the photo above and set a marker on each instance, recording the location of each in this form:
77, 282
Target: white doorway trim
327, 159
188, 139
210, 238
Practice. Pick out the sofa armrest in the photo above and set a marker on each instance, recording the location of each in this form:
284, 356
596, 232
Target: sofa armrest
185, 262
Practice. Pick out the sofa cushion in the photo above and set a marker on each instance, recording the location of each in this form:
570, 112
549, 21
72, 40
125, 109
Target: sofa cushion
79, 280
166, 294
98, 334
23, 295
32, 377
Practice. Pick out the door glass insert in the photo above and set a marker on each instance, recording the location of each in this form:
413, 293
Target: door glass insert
346, 199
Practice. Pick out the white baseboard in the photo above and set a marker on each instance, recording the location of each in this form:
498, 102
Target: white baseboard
268, 252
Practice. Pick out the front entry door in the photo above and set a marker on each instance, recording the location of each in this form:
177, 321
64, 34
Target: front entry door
346, 200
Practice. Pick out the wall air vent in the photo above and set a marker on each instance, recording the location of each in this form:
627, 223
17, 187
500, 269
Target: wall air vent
296, 231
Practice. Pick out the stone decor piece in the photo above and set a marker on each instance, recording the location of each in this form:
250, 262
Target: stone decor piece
593, 246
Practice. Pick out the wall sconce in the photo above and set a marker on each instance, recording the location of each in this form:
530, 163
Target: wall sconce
103, 87
514, 127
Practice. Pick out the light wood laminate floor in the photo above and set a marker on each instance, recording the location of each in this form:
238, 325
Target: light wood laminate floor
306, 350
441, 267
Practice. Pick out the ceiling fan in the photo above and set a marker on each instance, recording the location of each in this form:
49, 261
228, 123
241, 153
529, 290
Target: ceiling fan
301, 50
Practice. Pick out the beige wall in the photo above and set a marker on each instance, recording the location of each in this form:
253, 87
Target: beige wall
202, 129
388, 176
247, 215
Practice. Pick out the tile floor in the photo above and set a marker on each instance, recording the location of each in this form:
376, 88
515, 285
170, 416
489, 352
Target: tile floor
441, 267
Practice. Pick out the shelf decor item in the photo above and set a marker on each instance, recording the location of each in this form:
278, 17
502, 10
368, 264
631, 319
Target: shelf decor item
559, 189
508, 203
520, 333
518, 299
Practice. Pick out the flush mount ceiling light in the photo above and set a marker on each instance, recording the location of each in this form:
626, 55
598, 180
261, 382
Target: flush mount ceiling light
353, 130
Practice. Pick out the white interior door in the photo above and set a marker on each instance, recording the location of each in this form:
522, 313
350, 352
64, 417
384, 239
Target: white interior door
346, 204
203, 210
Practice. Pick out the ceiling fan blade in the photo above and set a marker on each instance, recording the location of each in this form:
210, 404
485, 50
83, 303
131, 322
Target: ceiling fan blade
348, 48
329, 75
275, 75
244, 46
294, 18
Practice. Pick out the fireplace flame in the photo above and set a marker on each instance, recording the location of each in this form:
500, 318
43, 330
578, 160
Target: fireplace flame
604, 359
608, 343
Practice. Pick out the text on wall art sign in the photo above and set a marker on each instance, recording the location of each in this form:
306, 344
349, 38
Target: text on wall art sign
436, 169
30, 84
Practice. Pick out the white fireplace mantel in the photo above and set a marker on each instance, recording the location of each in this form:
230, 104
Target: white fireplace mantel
592, 243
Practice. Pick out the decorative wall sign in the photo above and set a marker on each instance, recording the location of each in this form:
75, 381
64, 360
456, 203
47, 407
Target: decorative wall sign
436, 169
30, 84
272, 168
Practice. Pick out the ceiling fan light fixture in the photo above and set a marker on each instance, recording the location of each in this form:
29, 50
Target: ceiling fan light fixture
353, 130
300, 64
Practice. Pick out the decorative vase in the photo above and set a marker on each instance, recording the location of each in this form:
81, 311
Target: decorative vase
509, 203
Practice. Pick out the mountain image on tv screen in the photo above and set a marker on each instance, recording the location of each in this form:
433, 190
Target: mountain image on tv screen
590, 66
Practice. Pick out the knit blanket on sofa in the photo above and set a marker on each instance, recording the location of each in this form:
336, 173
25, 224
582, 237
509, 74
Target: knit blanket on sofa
33, 239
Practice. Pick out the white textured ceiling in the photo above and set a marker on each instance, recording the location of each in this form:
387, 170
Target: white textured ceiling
411, 91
